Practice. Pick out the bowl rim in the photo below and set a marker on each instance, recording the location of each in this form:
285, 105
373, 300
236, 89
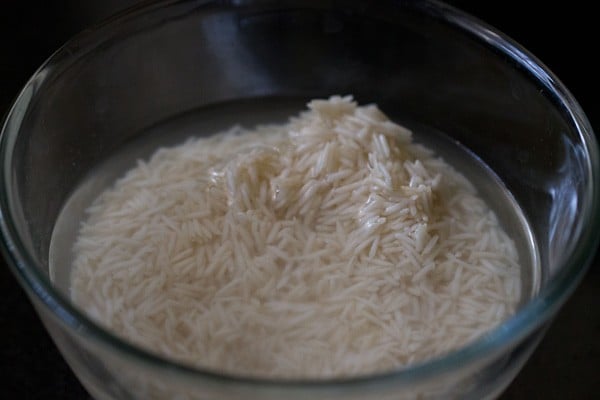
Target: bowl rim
528, 319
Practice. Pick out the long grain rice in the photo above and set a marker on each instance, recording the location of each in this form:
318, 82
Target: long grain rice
328, 246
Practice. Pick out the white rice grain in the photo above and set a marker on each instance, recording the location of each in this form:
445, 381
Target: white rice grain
328, 246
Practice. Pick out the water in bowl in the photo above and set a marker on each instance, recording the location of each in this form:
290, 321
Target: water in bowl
213, 119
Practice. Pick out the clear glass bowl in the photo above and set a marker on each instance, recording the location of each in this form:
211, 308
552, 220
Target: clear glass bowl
440, 67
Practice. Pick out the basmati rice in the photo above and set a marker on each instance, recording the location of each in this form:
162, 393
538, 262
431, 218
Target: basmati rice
328, 246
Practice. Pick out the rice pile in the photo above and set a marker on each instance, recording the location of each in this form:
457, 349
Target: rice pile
328, 246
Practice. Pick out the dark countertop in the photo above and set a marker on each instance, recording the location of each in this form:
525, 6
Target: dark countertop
566, 365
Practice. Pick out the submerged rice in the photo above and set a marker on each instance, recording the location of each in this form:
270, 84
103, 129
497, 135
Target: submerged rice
328, 246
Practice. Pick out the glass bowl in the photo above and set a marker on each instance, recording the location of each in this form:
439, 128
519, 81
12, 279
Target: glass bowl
422, 61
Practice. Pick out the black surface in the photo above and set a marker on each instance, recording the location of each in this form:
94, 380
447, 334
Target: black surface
567, 363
